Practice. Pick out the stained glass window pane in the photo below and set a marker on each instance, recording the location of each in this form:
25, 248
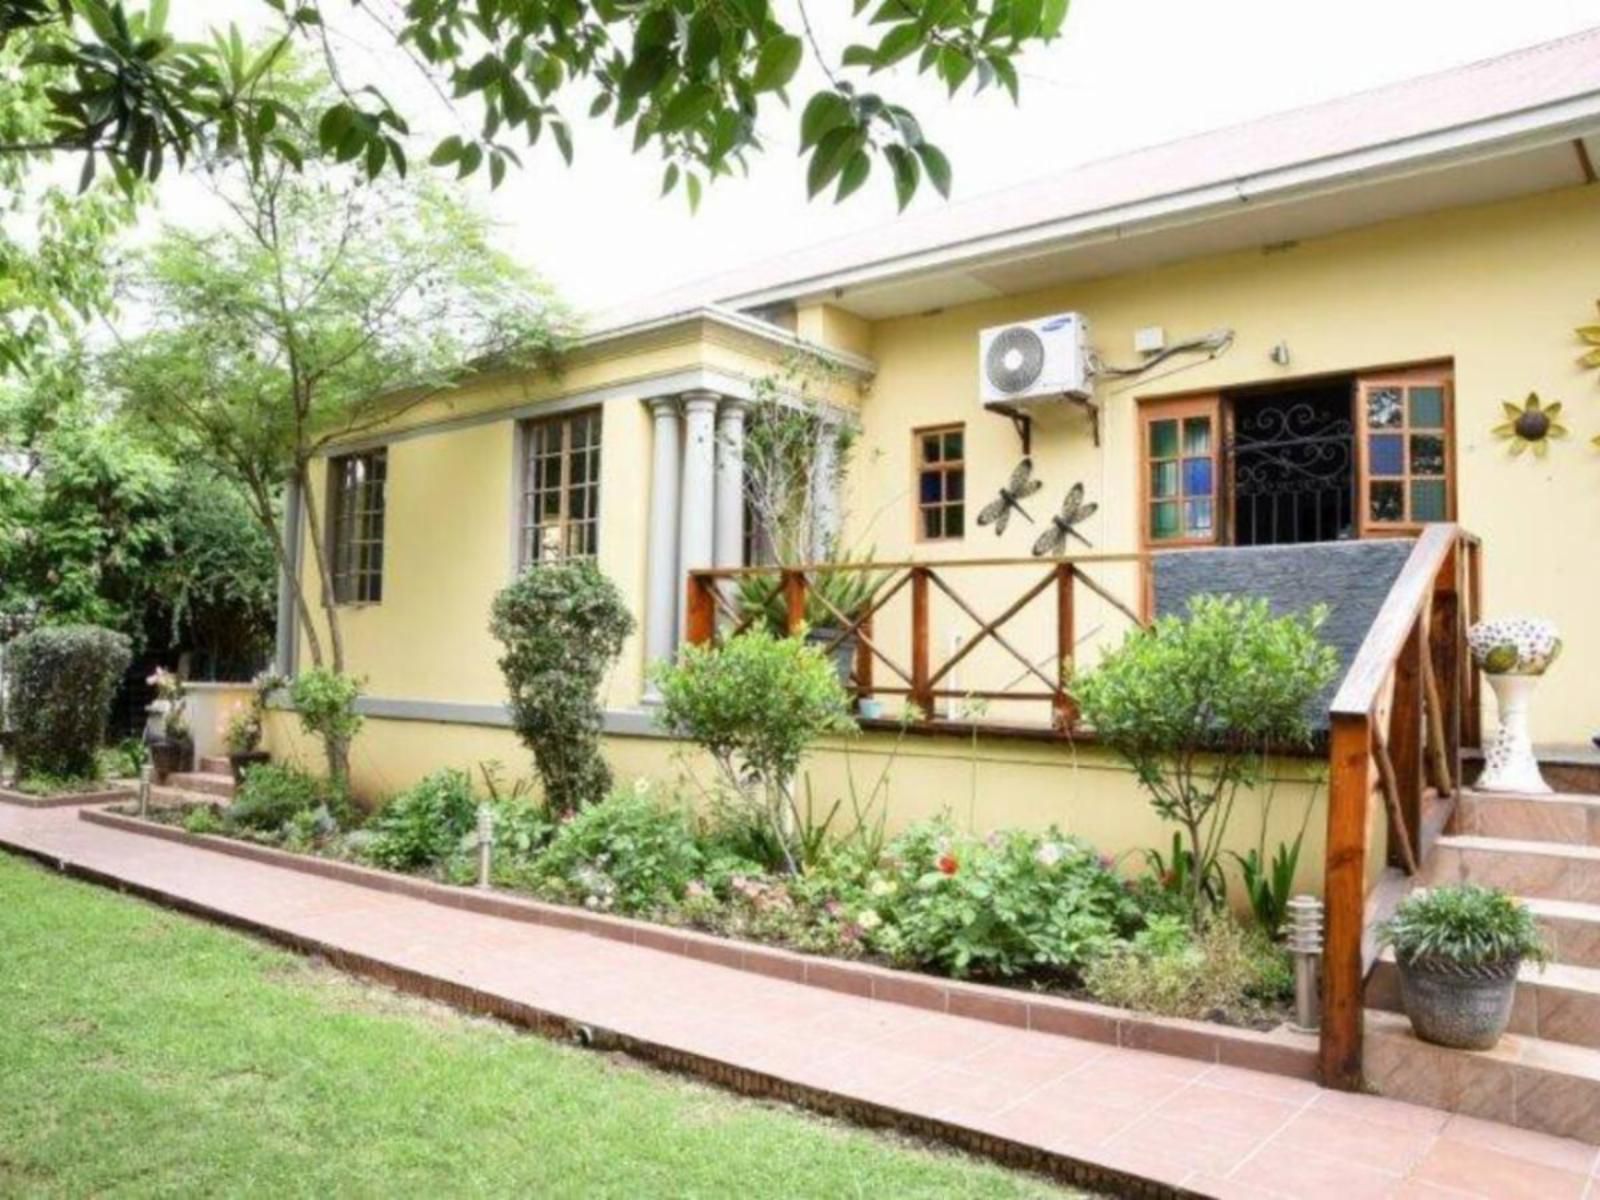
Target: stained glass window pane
1427, 408
1163, 439
930, 449
932, 522
1428, 500
1384, 408
1427, 454
1164, 520
952, 445
1198, 514
1386, 454
1164, 479
930, 487
1197, 435
1197, 477
954, 520
955, 485
1388, 501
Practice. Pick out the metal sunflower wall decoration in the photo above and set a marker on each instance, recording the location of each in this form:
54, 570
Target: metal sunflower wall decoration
1590, 336
1532, 425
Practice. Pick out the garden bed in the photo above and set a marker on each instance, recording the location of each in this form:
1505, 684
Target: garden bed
99, 793
1279, 1050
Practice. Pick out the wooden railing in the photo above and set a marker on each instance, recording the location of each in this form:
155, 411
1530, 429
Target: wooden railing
1406, 706
903, 661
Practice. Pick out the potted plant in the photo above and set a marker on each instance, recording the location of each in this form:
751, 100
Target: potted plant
1458, 948
172, 749
1513, 653
830, 595
247, 726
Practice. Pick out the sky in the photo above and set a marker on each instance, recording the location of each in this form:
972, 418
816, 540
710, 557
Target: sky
1124, 74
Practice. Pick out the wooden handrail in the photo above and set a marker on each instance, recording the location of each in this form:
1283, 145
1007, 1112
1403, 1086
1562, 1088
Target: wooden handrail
1414, 658
939, 564
1370, 668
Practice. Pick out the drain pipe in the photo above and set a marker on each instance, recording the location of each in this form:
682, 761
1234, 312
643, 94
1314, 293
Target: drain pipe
1305, 944
485, 844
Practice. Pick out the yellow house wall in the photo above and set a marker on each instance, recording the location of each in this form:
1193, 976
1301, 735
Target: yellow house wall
994, 784
1497, 288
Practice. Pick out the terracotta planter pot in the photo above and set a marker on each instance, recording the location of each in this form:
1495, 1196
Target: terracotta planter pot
1466, 1008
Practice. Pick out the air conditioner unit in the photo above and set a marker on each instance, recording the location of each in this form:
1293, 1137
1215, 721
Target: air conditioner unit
1032, 363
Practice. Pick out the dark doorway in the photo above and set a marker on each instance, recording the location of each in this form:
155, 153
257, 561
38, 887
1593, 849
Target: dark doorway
1292, 465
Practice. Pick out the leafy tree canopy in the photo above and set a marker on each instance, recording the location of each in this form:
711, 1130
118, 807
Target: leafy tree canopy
689, 77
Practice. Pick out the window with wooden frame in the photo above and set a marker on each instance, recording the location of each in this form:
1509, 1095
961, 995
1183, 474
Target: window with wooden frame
561, 487
941, 483
1178, 447
1406, 449
355, 524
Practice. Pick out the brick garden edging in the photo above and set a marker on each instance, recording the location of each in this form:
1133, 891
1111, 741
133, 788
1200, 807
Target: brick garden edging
64, 799
1280, 1051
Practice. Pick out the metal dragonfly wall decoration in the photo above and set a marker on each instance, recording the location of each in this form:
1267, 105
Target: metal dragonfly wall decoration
1065, 524
1020, 486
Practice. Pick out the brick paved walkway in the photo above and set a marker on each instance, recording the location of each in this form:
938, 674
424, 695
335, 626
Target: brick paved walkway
1214, 1130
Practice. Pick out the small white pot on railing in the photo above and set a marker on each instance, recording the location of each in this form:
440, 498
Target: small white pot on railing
1513, 653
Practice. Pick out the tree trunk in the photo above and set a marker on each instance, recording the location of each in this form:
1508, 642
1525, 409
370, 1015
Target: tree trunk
324, 567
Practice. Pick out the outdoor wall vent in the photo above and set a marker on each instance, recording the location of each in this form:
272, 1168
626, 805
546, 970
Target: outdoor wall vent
1033, 363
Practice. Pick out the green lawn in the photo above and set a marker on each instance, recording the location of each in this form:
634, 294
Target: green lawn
145, 1053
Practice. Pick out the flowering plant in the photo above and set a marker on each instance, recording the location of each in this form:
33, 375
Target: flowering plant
170, 691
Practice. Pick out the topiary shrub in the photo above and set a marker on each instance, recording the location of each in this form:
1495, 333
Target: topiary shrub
1196, 703
755, 704
563, 625
63, 681
424, 823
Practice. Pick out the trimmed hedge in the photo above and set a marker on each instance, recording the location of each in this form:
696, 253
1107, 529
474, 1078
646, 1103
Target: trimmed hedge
63, 681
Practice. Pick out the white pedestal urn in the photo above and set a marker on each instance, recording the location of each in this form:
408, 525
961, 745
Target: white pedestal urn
1513, 654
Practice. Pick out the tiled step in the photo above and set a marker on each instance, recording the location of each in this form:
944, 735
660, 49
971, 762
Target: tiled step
1573, 930
171, 797
1562, 817
1550, 1087
1560, 1003
1546, 870
215, 766
202, 781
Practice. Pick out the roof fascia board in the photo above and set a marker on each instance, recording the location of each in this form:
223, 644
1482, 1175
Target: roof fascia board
1504, 134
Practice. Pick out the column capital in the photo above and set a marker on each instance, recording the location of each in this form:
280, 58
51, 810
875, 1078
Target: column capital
662, 406
733, 406
700, 400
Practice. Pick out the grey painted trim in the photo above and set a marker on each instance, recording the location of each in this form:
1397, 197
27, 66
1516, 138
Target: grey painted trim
741, 322
620, 722
286, 654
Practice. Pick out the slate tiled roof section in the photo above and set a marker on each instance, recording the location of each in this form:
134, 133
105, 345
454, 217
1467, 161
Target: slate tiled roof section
1351, 578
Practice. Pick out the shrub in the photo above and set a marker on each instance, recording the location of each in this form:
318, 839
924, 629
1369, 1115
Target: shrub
326, 703
563, 625
424, 823
755, 704
1194, 704
1220, 971
1464, 924
627, 853
1014, 903
63, 680
271, 796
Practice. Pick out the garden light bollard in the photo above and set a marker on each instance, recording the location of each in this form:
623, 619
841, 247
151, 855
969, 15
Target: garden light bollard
485, 843
144, 790
1305, 944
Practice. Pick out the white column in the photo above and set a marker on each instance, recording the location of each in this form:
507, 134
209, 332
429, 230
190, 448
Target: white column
729, 551
824, 494
661, 599
696, 509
